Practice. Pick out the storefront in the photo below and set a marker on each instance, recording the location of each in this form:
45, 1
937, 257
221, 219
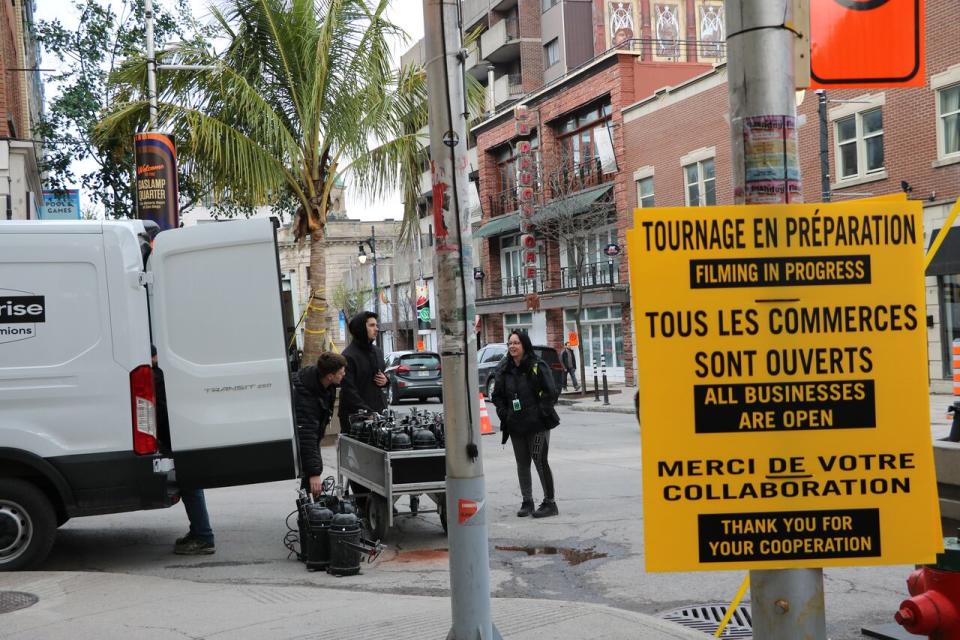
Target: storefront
602, 336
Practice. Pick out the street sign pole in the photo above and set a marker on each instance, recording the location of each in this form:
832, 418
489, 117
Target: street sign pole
457, 342
785, 604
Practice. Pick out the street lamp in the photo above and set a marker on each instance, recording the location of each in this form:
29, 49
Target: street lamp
362, 259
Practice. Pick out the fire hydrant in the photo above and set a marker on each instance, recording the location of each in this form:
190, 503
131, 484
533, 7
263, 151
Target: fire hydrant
934, 609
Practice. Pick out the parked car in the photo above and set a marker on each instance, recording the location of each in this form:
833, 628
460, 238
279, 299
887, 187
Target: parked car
413, 374
490, 356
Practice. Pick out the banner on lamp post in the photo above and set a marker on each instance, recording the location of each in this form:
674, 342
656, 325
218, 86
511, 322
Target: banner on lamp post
158, 194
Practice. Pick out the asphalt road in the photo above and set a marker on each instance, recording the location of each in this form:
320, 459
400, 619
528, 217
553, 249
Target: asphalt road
593, 552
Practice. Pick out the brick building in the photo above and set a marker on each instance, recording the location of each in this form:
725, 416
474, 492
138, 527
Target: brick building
881, 141
20, 101
578, 137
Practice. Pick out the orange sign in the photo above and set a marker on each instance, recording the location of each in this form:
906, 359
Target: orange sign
573, 339
866, 43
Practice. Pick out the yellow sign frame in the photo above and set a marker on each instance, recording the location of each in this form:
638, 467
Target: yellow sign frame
783, 385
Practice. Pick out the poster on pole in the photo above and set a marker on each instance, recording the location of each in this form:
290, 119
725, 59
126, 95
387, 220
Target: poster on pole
783, 386
158, 195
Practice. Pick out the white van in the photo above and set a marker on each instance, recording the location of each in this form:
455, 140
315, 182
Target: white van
80, 306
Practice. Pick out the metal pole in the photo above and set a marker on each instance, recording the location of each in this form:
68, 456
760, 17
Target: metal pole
596, 382
453, 265
824, 146
151, 64
376, 283
603, 374
785, 604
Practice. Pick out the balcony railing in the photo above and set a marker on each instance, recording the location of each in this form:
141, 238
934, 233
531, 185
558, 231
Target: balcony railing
594, 274
573, 177
516, 286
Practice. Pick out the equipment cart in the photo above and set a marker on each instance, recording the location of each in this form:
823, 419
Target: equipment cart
384, 476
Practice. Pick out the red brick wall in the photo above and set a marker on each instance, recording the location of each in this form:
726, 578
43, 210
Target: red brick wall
10, 81
622, 78
531, 52
660, 139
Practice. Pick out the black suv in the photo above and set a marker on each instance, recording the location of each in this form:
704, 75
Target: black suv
490, 356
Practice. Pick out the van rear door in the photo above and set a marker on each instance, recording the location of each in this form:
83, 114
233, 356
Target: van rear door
218, 327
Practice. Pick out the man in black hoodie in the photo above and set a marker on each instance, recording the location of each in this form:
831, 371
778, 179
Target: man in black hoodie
362, 387
315, 389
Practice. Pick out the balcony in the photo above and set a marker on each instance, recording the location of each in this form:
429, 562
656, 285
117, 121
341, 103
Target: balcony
475, 65
426, 183
574, 177
508, 87
519, 286
594, 274
473, 11
501, 42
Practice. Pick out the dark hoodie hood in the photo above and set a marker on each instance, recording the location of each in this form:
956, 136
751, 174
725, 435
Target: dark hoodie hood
358, 328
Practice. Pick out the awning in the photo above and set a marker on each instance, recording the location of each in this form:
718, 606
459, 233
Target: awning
574, 204
499, 225
947, 260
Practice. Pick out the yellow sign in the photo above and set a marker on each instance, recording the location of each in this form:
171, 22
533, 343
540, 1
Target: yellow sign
783, 386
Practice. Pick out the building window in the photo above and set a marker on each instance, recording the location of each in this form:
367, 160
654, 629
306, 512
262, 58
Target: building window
578, 154
700, 183
547, 4
520, 321
948, 121
645, 192
859, 144
602, 334
512, 268
551, 53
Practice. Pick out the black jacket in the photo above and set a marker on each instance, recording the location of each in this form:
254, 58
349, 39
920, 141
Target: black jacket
314, 408
568, 360
532, 384
358, 392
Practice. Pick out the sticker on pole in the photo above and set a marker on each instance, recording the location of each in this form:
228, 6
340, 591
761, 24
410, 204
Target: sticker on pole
467, 509
783, 386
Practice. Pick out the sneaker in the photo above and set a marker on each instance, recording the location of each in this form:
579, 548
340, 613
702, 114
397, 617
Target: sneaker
546, 509
194, 547
526, 508
179, 542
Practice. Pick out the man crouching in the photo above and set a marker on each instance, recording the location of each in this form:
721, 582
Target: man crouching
314, 392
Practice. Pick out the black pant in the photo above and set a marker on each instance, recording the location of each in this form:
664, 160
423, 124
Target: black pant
573, 376
533, 447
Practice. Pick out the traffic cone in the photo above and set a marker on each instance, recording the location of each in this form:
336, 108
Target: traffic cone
485, 427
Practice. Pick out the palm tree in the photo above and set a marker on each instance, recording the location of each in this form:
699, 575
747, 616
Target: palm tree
303, 93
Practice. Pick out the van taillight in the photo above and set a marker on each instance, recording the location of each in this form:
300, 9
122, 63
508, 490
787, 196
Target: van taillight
143, 399
556, 366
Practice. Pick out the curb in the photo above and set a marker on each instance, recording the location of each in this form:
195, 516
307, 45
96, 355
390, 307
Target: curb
583, 406
591, 405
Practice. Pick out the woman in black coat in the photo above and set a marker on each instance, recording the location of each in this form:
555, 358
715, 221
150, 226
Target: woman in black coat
524, 394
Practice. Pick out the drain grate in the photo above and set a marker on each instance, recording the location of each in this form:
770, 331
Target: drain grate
707, 617
13, 600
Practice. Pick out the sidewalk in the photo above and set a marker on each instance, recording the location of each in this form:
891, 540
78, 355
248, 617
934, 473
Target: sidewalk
620, 396
104, 606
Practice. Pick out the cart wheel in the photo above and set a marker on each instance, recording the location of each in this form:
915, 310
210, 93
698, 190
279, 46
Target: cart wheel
377, 516
442, 512
440, 499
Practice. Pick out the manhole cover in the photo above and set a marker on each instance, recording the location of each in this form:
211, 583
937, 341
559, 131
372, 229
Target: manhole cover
707, 617
13, 600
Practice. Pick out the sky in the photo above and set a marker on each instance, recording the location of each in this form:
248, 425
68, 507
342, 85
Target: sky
408, 14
